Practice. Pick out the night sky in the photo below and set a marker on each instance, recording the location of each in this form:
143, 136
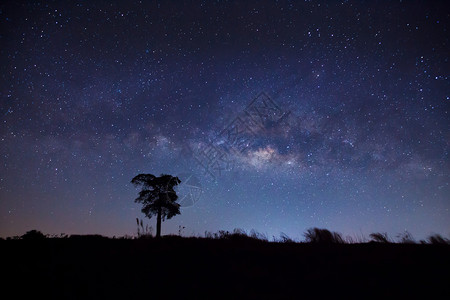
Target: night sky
348, 129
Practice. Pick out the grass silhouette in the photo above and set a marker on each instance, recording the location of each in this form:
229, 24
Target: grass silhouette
223, 265
380, 238
437, 239
323, 236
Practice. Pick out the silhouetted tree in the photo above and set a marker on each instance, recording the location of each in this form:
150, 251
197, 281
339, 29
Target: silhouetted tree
158, 197
33, 235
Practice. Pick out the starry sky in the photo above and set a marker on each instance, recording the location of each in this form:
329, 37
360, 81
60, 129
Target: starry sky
280, 115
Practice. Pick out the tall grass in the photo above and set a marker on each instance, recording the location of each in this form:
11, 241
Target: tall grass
323, 236
437, 239
143, 231
406, 238
312, 235
380, 237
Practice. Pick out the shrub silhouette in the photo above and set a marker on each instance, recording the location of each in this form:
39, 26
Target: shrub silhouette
158, 197
33, 235
406, 238
224, 235
284, 238
318, 235
258, 236
379, 237
437, 239
237, 234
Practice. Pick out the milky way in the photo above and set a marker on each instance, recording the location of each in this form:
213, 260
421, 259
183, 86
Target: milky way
354, 132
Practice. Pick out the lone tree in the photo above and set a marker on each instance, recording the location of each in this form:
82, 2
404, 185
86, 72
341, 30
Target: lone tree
158, 197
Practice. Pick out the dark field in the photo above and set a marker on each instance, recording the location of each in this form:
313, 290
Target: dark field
173, 267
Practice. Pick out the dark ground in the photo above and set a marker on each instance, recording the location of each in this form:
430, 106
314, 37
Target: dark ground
173, 267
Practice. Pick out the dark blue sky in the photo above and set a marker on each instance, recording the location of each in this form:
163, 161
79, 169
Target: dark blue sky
354, 138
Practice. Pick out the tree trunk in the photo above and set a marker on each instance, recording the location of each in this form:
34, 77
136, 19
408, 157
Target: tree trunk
158, 224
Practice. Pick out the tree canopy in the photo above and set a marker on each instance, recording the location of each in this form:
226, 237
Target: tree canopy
158, 197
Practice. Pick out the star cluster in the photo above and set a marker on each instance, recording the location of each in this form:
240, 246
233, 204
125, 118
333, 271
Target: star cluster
96, 92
